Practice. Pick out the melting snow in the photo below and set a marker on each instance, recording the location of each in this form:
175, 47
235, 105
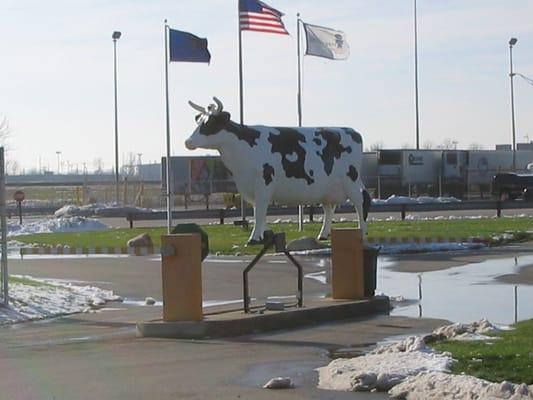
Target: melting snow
408, 369
415, 200
99, 209
63, 224
42, 298
441, 386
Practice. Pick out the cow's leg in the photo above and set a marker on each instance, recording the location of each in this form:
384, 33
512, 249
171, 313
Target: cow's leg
355, 194
262, 200
329, 210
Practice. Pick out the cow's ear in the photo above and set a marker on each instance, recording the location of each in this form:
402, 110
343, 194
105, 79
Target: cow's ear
197, 118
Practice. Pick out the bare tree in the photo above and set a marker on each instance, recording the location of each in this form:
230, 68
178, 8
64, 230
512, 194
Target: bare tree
448, 144
376, 146
98, 165
428, 145
129, 167
12, 167
4, 129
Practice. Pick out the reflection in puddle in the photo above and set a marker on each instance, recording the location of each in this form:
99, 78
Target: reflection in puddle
460, 294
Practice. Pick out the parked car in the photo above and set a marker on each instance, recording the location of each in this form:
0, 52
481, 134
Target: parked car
512, 186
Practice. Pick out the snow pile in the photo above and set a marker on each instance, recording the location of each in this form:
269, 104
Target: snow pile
99, 209
412, 343
414, 200
475, 331
70, 224
415, 371
383, 368
441, 386
41, 298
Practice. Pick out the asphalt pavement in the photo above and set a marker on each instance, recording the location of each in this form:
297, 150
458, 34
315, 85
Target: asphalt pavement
97, 355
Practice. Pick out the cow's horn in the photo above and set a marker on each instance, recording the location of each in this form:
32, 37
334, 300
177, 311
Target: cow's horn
197, 107
220, 107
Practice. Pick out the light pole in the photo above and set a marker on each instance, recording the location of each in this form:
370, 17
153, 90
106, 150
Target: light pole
58, 162
417, 122
512, 42
116, 35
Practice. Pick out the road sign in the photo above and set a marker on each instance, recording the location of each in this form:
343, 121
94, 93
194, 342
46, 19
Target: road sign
19, 196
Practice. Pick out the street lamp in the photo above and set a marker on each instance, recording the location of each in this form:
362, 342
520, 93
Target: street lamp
116, 35
417, 121
512, 42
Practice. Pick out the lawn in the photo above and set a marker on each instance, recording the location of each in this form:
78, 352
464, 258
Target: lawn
229, 239
508, 358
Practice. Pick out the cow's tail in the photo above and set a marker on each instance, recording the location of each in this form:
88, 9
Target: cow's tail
367, 202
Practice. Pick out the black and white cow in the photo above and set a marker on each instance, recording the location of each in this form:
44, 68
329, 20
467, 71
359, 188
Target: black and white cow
288, 165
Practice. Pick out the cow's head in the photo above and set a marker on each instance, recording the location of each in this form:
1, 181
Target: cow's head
211, 123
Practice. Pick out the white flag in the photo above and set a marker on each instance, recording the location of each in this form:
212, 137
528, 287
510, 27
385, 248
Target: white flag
325, 42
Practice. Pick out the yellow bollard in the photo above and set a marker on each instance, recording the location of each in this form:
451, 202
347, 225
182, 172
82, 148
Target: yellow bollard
181, 269
347, 274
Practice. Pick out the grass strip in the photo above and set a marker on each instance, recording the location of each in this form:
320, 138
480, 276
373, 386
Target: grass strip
508, 357
229, 239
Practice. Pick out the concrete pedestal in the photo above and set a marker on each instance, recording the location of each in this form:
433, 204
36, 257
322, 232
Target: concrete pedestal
181, 269
347, 274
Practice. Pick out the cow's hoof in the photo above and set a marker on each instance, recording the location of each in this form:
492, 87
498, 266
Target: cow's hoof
255, 242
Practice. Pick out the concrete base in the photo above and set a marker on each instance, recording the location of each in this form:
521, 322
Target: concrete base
236, 323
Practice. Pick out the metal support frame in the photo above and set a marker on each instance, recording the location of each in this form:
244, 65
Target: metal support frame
278, 241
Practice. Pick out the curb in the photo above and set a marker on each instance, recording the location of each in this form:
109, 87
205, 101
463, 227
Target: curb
146, 251
429, 240
238, 324
132, 251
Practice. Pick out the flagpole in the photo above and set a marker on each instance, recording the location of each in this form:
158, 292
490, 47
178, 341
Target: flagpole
168, 169
298, 20
299, 99
241, 95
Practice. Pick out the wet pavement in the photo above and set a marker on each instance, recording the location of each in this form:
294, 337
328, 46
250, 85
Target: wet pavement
87, 356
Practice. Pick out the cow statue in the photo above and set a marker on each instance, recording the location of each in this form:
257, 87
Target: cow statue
288, 165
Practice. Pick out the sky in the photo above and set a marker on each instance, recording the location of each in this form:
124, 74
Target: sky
56, 74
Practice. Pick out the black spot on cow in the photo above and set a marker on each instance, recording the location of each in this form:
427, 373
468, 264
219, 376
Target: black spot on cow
349, 150
356, 137
352, 173
367, 203
333, 149
268, 173
216, 123
244, 132
288, 143
318, 142
311, 172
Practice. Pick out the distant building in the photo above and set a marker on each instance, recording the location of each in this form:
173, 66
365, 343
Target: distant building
524, 146
506, 147
150, 172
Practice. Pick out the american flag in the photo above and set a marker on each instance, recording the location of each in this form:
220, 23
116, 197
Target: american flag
254, 15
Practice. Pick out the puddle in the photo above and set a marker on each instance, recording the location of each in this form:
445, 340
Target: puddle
350, 351
461, 294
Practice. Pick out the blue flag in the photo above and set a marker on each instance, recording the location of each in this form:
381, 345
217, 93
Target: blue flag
187, 47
